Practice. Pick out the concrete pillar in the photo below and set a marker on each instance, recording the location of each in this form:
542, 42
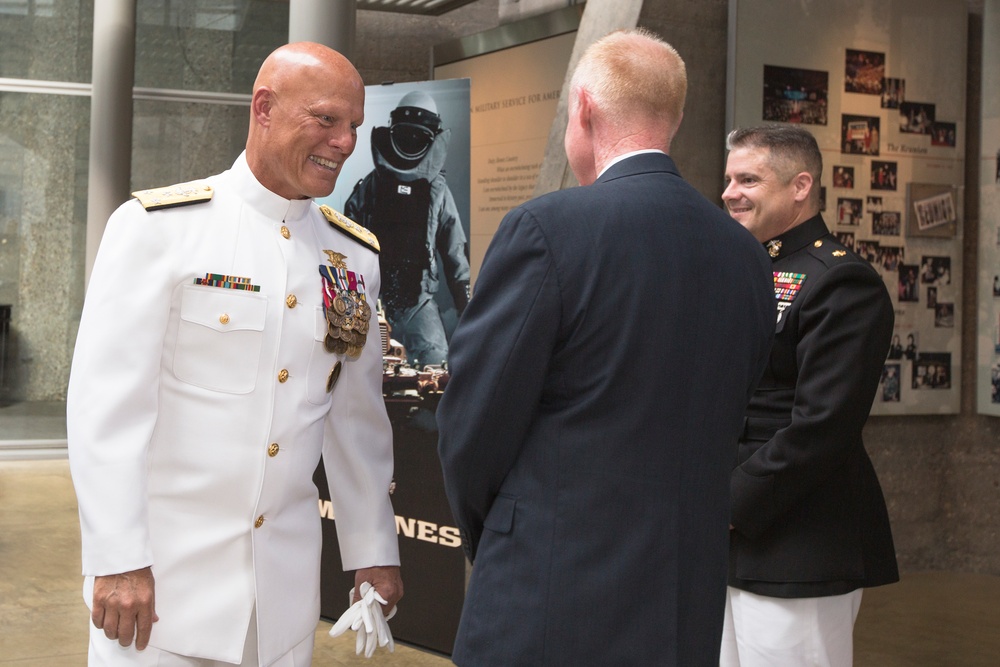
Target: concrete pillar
110, 117
329, 22
599, 18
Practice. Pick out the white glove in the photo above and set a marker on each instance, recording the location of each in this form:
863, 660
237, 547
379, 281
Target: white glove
366, 618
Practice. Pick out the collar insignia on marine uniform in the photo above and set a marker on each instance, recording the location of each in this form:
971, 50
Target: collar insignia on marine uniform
839, 253
773, 248
786, 288
181, 194
346, 306
354, 230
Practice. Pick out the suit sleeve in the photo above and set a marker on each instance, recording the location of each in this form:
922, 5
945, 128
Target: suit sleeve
844, 330
357, 455
499, 358
112, 397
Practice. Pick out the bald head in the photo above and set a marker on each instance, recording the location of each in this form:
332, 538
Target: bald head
286, 63
308, 101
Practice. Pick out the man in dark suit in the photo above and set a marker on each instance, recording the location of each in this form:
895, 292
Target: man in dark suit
599, 379
810, 527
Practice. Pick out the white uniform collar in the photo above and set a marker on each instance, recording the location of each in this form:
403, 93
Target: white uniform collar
263, 200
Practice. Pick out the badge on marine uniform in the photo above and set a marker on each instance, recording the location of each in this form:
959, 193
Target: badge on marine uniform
773, 248
786, 288
346, 306
181, 194
354, 230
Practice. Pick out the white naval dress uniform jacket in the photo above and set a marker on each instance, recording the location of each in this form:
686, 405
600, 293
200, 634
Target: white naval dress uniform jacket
182, 437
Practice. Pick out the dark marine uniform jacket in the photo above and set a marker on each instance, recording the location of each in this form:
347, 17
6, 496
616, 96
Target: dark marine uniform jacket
808, 513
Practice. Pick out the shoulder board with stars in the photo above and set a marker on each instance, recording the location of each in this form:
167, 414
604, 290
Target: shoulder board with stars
351, 228
182, 194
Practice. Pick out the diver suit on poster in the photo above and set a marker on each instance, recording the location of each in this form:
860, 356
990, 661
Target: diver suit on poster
406, 200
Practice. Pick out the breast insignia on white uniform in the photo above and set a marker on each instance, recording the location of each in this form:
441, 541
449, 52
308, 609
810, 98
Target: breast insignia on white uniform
351, 228
182, 194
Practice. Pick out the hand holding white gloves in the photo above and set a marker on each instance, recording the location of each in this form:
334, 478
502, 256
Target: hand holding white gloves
366, 618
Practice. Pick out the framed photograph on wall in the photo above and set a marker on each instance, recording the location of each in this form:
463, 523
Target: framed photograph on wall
864, 72
859, 134
931, 210
916, 117
793, 95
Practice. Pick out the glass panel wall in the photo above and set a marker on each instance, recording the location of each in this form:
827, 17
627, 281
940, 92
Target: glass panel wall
205, 46
46, 40
43, 211
173, 142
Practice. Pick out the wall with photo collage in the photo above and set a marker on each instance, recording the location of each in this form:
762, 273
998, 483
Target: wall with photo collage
888, 113
988, 353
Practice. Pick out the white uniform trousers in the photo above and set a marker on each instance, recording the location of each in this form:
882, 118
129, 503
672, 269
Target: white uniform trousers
761, 631
106, 652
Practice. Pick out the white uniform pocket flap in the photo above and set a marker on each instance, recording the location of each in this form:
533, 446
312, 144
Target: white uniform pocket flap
223, 309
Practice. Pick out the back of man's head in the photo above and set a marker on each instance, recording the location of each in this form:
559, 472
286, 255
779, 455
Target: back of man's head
635, 78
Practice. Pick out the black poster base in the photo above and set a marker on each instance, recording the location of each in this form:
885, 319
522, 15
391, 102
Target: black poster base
433, 563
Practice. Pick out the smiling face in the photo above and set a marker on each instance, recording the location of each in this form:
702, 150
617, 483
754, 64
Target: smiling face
306, 112
760, 198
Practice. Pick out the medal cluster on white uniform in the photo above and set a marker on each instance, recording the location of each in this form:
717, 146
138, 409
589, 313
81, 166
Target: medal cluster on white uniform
348, 314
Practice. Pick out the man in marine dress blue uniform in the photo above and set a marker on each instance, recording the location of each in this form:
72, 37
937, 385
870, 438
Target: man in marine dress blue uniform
810, 526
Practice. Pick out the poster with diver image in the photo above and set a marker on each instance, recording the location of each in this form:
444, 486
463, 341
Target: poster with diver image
408, 182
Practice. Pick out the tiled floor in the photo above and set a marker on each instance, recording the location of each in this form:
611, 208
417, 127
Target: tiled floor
932, 619
43, 621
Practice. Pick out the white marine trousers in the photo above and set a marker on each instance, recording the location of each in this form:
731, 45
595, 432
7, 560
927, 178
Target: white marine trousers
762, 631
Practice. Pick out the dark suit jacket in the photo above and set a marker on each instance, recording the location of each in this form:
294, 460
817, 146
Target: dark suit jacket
809, 514
599, 379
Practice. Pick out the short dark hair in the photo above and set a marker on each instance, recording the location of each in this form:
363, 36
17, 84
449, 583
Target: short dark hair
793, 149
